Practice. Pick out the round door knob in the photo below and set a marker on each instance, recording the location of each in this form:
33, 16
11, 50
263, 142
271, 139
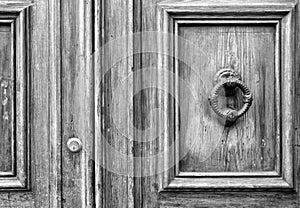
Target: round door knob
74, 145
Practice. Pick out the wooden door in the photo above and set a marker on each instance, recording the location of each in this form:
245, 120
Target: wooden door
30, 105
136, 82
161, 144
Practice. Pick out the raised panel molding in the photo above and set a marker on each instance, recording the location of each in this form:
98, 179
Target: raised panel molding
281, 16
15, 85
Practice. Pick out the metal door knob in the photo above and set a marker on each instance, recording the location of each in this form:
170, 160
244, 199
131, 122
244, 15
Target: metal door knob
74, 145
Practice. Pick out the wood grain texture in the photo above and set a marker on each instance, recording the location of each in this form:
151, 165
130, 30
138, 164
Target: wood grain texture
7, 101
14, 85
77, 103
223, 7
148, 145
228, 183
229, 199
297, 100
39, 103
137, 81
231, 2
114, 106
32, 71
17, 200
146, 14
249, 145
22, 90
55, 135
98, 34
288, 108
82, 91
45, 103
285, 35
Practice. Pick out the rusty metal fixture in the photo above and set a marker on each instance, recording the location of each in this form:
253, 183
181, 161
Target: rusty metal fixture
229, 80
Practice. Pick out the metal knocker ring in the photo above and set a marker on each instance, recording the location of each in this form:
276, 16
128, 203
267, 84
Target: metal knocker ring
229, 79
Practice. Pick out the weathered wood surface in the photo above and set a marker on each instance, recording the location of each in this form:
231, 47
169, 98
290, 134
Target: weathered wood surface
297, 100
45, 103
77, 103
228, 183
42, 50
54, 9
235, 6
270, 3
229, 199
44, 116
147, 188
17, 200
83, 113
7, 99
114, 104
248, 145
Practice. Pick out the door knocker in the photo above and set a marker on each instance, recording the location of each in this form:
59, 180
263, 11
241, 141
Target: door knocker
229, 80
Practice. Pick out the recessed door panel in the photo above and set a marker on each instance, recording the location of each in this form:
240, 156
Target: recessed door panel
14, 100
233, 92
7, 100
250, 143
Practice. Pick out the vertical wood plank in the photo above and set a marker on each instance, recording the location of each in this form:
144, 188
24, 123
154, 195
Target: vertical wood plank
45, 102
77, 101
137, 102
40, 102
288, 93
44, 113
98, 35
149, 144
113, 90
55, 103
297, 101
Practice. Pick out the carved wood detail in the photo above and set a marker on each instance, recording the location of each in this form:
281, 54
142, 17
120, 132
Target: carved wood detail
14, 87
280, 17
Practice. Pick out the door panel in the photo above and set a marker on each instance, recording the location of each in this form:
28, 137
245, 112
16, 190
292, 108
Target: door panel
250, 144
198, 58
6, 153
29, 108
14, 105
